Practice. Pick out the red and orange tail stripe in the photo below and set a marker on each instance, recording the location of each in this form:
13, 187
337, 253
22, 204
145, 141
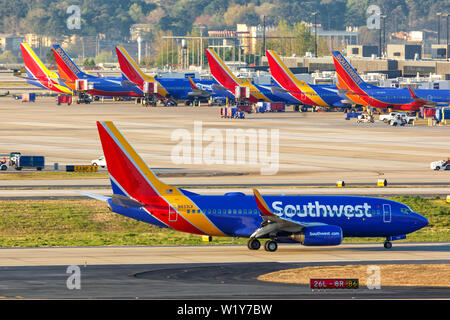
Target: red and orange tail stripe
227, 79
167, 203
39, 71
286, 79
262, 205
133, 72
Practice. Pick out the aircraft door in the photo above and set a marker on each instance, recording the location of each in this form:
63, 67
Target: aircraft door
387, 214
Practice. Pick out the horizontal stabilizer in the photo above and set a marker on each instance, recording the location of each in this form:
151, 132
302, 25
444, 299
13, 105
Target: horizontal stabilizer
126, 202
95, 196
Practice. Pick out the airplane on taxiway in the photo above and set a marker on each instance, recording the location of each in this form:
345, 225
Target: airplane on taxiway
353, 87
310, 220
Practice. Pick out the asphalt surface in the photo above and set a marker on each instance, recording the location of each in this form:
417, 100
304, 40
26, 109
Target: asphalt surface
187, 281
200, 272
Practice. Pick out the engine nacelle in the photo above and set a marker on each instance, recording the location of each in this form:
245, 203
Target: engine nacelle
319, 236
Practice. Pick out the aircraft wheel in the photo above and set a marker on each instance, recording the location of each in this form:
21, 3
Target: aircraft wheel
271, 246
387, 244
253, 244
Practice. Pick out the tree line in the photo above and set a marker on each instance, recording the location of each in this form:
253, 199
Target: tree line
114, 17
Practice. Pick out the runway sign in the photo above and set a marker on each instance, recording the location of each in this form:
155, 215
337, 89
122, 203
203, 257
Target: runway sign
334, 283
81, 168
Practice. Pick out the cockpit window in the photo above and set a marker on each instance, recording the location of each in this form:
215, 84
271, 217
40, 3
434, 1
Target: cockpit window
406, 210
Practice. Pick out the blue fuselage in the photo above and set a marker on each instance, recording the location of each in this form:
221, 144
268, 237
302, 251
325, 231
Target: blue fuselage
403, 95
238, 215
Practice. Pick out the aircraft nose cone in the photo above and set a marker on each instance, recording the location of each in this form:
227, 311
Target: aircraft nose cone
421, 221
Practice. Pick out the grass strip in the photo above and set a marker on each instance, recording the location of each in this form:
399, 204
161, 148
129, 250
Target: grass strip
83, 222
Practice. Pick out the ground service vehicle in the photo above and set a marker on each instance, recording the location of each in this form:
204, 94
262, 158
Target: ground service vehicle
442, 164
25, 162
391, 116
101, 162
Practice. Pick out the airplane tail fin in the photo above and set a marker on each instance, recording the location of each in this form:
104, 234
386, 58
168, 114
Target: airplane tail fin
35, 68
348, 78
220, 71
67, 68
287, 80
281, 73
130, 68
130, 176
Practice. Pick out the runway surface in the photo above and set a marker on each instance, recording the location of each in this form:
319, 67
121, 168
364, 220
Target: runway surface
200, 272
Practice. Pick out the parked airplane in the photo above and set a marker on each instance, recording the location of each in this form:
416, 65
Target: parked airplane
315, 95
357, 90
228, 80
310, 220
174, 88
38, 74
94, 85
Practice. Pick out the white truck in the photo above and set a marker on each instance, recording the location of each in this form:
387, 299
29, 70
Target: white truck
100, 162
442, 164
388, 118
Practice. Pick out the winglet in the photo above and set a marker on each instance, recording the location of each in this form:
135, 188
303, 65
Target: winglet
193, 85
262, 205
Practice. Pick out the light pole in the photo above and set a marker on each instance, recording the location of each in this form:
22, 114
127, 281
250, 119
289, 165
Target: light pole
264, 35
384, 34
439, 26
139, 42
446, 49
315, 33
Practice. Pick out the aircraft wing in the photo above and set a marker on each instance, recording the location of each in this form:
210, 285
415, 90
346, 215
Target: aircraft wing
196, 91
422, 100
273, 223
219, 87
275, 90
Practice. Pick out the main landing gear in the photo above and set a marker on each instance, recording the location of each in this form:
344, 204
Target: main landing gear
269, 245
387, 244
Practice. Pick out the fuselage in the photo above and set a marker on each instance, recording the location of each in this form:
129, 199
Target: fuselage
238, 214
111, 87
393, 97
179, 88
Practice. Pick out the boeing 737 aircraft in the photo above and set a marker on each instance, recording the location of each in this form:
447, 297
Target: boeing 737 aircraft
175, 88
228, 80
314, 95
360, 92
309, 220
94, 85
38, 74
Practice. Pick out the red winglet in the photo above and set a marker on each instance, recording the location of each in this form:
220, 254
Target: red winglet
262, 205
